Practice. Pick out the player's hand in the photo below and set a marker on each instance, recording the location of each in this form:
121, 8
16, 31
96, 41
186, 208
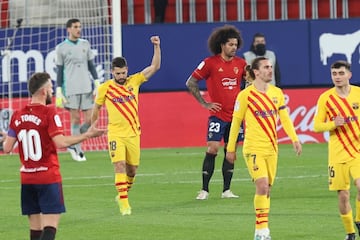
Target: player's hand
96, 85
231, 157
213, 107
339, 120
60, 98
93, 131
155, 40
297, 148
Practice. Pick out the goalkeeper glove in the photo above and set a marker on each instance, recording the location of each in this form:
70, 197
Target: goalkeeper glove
96, 85
60, 98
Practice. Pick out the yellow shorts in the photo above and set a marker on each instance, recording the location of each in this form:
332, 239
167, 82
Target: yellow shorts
261, 165
340, 174
124, 148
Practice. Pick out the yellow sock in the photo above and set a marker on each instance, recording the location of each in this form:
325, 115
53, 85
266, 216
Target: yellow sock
121, 187
348, 222
262, 208
130, 182
357, 206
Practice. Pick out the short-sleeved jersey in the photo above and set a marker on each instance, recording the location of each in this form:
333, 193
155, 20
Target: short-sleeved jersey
74, 57
344, 142
223, 82
121, 103
261, 112
34, 126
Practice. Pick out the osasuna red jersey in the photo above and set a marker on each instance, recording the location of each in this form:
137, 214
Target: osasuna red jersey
34, 126
223, 80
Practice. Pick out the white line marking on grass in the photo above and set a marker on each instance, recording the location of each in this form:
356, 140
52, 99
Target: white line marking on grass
215, 180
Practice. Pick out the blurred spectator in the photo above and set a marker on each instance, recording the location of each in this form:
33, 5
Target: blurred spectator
160, 8
258, 49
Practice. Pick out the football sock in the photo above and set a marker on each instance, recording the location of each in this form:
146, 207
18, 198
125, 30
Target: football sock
121, 187
84, 127
208, 170
130, 181
35, 234
75, 130
48, 233
227, 171
262, 208
348, 222
357, 207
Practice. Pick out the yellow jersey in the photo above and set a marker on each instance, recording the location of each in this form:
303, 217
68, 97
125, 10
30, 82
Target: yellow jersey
260, 112
344, 141
121, 102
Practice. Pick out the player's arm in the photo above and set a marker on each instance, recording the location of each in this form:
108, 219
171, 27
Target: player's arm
238, 117
95, 112
60, 75
156, 60
289, 129
320, 123
60, 98
62, 141
92, 70
193, 85
9, 141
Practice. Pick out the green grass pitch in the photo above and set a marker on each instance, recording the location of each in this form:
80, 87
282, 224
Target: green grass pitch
163, 199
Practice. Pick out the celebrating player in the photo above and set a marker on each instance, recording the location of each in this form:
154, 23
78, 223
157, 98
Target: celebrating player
120, 96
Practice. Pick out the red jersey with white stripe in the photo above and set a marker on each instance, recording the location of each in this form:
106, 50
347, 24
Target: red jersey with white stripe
34, 126
223, 81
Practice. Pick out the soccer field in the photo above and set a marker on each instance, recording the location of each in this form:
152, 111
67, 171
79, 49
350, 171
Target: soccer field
163, 199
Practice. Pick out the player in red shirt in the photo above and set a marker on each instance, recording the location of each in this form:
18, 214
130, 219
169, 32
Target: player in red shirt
38, 130
223, 73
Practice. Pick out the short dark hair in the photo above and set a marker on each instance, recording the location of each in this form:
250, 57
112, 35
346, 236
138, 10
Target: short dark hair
37, 80
119, 62
70, 22
341, 63
256, 35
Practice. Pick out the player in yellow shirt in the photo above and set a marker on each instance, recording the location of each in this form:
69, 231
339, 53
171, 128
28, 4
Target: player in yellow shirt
338, 111
260, 105
120, 96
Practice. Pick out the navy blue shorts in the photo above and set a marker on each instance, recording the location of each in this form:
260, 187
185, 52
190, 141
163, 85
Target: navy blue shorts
218, 130
42, 198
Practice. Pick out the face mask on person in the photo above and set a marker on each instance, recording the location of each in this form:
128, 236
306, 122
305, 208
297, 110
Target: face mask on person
260, 49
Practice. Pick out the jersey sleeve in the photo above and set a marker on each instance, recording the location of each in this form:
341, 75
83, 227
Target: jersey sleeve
202, 71
320, 123
286, 120
59, 58
238, 116
138, 78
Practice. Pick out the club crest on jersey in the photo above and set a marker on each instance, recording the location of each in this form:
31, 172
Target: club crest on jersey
130, 88
355, 106
275, 100
236, 70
